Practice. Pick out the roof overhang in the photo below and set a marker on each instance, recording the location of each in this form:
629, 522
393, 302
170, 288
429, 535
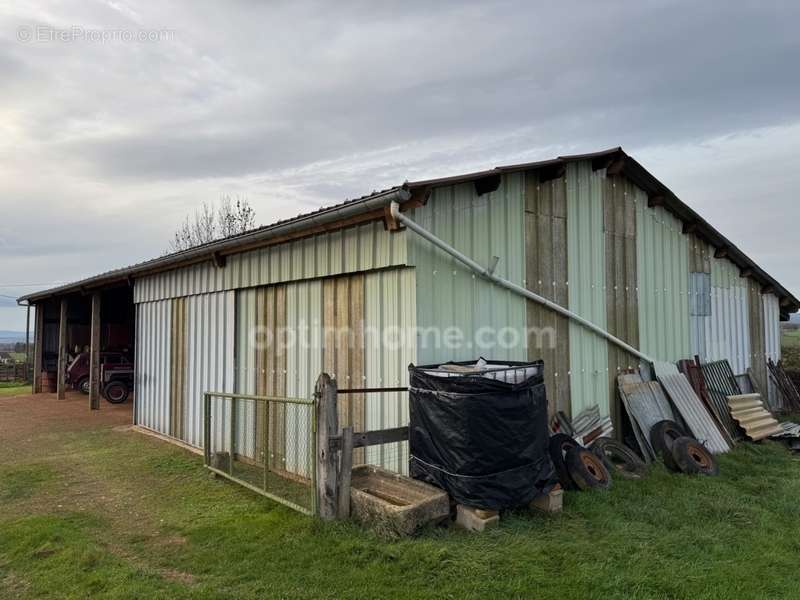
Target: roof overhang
372, 207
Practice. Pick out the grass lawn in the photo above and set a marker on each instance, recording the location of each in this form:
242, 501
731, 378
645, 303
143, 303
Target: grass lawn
790, 349
14, 389
121, 515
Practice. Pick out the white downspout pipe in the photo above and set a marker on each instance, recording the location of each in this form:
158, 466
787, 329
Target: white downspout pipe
488, 274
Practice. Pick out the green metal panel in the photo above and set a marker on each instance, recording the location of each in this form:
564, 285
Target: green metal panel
450, 296
663, 259
588, 353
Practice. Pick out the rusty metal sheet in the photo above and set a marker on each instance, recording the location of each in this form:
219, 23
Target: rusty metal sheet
721, 383
757, 422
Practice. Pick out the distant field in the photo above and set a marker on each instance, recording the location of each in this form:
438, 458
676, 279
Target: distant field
14, 389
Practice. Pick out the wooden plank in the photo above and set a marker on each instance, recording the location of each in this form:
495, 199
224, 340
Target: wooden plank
363, 439
345, 473
278, 409
94, 353
327, 425
178, 368
61, 383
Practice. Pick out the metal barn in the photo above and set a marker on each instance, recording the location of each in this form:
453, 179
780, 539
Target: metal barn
595, 234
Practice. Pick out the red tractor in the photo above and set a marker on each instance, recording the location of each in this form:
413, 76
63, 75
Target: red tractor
116, 375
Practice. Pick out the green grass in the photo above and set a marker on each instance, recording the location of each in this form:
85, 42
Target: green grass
121, 515
14, 388
790, 349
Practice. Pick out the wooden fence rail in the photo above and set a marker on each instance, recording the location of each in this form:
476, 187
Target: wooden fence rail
14, 372
334, 460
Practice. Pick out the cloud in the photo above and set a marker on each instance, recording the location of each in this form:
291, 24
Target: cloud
105, 146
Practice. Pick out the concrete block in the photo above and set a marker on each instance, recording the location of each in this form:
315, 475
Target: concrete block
392, 504
476, 519
550, 503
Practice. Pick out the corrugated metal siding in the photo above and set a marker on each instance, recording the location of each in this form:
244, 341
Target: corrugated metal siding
384, 345
152, 383
303, 365
546, 275
728, 329
357, 248
209, 362
450, 295
663, 262
622, 306
588, 353
699, 312
700, 255
390, 314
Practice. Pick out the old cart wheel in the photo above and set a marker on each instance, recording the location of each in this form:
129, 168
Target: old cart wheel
558, 446
619, 459
587, 470
693, 458
116, 392
662, 435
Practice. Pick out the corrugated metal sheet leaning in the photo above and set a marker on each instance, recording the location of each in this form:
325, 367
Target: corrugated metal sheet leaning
749, 412
721, 383
646, 405
690, 407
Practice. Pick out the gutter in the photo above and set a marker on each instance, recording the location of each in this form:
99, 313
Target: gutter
519, 290
214, 250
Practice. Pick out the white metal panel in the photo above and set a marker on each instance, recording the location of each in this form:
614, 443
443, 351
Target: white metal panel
728, 328
152, 365
245, 370
390, 347
210, 327
357, 248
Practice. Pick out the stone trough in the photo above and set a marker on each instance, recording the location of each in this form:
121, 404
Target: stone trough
393, 504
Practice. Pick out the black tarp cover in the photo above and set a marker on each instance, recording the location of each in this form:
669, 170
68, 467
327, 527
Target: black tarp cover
483, 440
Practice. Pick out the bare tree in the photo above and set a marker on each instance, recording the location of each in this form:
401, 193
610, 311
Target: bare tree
210, 222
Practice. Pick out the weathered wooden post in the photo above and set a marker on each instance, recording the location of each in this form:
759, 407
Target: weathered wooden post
38, 345
327, 466
61, 384
94, 354
345, 473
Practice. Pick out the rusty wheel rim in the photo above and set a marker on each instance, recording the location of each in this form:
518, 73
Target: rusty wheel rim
699, 456
593, 465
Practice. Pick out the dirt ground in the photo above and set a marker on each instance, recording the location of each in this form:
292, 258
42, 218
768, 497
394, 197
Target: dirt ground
24, 419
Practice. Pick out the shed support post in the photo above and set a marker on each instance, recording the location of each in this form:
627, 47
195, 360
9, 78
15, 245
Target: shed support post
94, 354
61, 384
327, 467
38, 342
28, 344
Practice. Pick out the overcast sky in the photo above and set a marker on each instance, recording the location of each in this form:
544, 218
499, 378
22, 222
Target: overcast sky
106, 142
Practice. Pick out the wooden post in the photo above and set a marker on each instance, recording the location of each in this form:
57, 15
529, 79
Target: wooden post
345, 474
94, 354
61, 384
327, 466
38, 336
28, 343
